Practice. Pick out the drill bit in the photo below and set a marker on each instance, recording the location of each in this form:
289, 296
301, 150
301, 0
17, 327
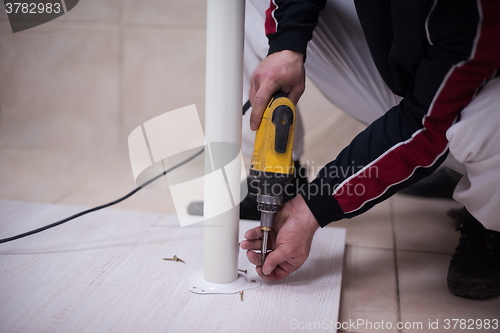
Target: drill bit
265, 235
268, 205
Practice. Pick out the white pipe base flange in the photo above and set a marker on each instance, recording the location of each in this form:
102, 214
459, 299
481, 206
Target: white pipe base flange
198, 285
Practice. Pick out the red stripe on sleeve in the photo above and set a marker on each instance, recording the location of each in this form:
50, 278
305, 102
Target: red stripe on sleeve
271, 25
422, 150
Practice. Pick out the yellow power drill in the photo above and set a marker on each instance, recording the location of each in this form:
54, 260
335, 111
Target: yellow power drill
272, 163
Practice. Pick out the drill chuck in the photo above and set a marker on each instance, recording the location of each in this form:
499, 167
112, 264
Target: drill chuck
268, 203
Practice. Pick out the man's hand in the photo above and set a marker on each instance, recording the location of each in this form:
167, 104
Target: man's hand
290, 239
281, 70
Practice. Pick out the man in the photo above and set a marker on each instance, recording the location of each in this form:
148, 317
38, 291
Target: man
441, 58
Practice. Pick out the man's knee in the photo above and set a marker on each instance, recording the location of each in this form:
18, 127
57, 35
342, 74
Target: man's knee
475, 137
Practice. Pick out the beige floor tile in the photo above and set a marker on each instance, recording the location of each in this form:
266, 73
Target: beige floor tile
422, 224
5, 30
112, 182
53, 177
65, 97
163, 71
3, 15
425, 295
46, 175
87, 11
178, 14
34, 175
371, 229
368, 288
108, 11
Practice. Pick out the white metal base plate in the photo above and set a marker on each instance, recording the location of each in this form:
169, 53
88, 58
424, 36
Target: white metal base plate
198, 285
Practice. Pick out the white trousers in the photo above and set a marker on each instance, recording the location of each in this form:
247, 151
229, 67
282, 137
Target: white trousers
340, 65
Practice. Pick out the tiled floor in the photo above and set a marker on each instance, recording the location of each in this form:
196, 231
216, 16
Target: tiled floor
63, 133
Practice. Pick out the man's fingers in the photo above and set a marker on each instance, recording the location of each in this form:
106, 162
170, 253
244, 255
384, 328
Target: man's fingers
254, 239
251, 93
253, 233
274, 259
254, 258
295, 94
254, 244
259, 103
280, 272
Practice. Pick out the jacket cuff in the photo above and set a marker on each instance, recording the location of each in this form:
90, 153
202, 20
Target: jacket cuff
293, 40
321, 203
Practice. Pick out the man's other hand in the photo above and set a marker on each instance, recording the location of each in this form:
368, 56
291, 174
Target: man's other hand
290, 239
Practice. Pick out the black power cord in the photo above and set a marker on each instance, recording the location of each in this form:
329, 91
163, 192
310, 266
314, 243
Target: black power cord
5, 240
246, 106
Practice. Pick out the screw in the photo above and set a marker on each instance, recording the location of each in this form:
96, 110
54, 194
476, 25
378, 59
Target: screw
175, 258
241, 270
241, 295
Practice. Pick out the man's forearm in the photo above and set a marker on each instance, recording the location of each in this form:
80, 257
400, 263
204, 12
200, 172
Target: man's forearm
290, 24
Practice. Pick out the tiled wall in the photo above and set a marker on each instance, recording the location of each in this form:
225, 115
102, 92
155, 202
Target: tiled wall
71, 90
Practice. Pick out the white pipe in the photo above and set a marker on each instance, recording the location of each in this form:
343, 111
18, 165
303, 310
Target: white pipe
224, 78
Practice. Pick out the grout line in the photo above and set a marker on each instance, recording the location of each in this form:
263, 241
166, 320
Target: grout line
18, 149
399, 250
121, 83
1, 86
370, 247
83, 181
396, 268
65, 195
121, 24
147, 144
63, 2
425, 252
117, 24
164, 27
